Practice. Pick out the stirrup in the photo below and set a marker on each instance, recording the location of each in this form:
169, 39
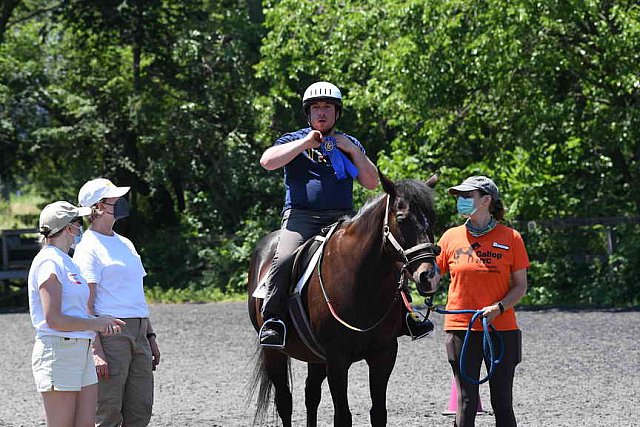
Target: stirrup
284, 333
407, 319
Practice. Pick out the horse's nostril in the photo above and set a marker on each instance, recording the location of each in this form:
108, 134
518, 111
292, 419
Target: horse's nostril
425, 276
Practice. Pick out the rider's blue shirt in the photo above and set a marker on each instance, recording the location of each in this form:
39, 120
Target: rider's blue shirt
310, 180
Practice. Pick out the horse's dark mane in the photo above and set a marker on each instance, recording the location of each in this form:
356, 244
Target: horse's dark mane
415, 192
365, 215
419, 196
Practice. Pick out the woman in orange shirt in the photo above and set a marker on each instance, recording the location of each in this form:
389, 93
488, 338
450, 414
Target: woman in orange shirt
487, 263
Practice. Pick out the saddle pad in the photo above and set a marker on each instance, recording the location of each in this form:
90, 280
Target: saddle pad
261, 289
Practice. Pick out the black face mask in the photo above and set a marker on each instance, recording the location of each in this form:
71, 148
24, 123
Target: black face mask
120, 208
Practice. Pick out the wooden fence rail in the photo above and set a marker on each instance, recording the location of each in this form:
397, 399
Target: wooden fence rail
18, 249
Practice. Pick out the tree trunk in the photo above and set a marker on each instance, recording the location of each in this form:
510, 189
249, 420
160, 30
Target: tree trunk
255, 11
6, 9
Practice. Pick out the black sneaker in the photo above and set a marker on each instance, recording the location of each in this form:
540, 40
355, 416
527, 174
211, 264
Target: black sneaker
273, 333
418, 328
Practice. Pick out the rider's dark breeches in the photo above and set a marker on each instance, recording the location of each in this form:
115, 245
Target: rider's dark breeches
298, 226
500, 384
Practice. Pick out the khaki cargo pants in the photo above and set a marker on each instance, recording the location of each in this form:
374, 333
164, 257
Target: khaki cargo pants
126, 397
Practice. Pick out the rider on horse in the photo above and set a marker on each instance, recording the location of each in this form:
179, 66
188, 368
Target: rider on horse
315, 195
319, 190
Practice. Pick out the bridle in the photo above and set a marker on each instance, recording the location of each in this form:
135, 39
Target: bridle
409, 256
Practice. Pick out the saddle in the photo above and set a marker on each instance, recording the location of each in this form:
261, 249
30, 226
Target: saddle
305, 260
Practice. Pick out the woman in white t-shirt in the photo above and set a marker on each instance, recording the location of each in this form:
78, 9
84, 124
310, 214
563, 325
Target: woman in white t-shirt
61, 360
114, 271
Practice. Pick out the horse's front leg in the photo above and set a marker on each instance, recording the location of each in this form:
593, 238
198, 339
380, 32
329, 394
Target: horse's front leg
316, 373
380, 368
338, 375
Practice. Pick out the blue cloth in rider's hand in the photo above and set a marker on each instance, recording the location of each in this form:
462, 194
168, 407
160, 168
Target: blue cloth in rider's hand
338, 159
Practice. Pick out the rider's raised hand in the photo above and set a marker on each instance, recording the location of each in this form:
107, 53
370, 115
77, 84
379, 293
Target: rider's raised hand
313, 139
345, 144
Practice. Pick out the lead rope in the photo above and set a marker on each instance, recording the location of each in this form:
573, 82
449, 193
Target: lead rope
487, 343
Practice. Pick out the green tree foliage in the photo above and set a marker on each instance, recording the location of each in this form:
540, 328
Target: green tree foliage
179, 99
538, 95
155, 95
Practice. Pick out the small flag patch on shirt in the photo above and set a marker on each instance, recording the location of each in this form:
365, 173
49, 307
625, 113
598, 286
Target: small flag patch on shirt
74, 279
500, 246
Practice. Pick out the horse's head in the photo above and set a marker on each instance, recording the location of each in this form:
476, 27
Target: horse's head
408, 229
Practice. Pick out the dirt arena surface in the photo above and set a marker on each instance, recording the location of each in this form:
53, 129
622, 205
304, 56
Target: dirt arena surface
580, 368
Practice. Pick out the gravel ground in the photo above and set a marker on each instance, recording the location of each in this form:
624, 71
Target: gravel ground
580, 368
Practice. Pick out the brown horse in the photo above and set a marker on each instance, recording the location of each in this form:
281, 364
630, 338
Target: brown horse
364, 263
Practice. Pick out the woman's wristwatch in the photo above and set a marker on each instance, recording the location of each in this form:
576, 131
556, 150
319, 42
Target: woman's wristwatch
500, 306
151, 334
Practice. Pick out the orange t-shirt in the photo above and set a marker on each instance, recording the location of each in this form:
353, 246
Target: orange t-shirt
480, 270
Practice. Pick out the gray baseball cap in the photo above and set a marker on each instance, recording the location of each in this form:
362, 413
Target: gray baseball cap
55, 216
478, 182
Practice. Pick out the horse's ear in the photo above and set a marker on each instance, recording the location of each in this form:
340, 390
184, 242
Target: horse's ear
431, 182
387, 185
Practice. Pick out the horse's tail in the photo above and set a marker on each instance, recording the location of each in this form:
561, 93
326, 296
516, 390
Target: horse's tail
261, 383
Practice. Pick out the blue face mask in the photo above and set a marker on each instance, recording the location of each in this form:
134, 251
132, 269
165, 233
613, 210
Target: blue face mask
78, 237
466, 207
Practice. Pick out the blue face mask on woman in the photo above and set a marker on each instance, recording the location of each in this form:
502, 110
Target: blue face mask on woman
76, 237
466, 207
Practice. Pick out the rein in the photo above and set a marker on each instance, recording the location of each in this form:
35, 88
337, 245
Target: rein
487, 343
386, 236
343, 322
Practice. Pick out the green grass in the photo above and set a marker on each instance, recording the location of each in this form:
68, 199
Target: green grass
177, 296
439, 299
20, 211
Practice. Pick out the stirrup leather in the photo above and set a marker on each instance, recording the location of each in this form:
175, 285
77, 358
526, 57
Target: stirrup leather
283, 334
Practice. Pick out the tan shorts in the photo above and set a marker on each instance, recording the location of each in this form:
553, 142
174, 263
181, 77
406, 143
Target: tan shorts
63, 364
